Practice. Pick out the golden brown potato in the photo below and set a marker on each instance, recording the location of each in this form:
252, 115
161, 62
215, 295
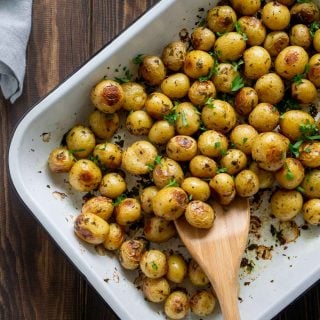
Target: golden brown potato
170, 203
91, 228
311, 184
80, 141
223, 188
196, 275
127, 211
199, 214
316, 41
177, 268
286, 204
158, 105
146, 196
175, 86
139, 123
310, 154
291, 61
114, 238
314, 72
198, 63
155, 290
275, 42
266, 178
201, 91
221, 19
311, 211
275, 15
203, 167
161, 132
112, 185
181, 148
212, 144
224, 77
196, 188
176, 305
108, 154
188, 119
135, 96
246, 7
264, 117
300, 36
234, 161
107, 96
254, 29
246, 99
173, 55
61, 160
85, 175
304, 91
100, 206
246, 183
305, 12
152, 70
104, 125
242, 137
287, 3
130, 254
157, 229
202, 38
202, 303
154, 264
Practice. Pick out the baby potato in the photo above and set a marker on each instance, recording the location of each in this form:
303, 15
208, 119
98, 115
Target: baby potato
146, 196
176, 305
181, 148
266, 178
300, 36
177, 268
112, 185
305, 13
198, 63
100, 206
275, 15
130, 254
246, 7
196, 275
311, 184
310, 154
137, 158
173, 55
224, 76
127, 211
165, 171
175, 86
114, 238
246, 99
104, 125
223, 188
139, 123
311, 211
61, 160
152, 70
157, 229
196, 188
314, 72
304, 91
219, 115
91, 228
269, 150
316, 41
203, 167
221, 19
257, 62
188, 120
291, 174
201, 91
85, 175
291, 61
275, 42
80, 141
202, 303
287, 3
202, 38
108, 154
246, 183
155, 290
264, 117
154, 264
286, 204
291, 121
234, 161
135, 96
230, 46
242, 137
212, 144
107, 96
254, 29
199, 214
158, 105
161, 132
170, 203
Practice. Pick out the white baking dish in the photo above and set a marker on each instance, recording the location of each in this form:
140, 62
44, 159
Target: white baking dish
273, 283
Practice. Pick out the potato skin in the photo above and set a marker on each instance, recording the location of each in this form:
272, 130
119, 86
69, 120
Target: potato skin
155, 290
197, 63
177, 268
224, 76
311, 211
130, 254
139, 123
176, 305
202, 167
188, 122
311, 184
112, 185
158, 105
154, 264
316, 41
196, 188
196, 275
243, 136
212, 144
246, 7
201, 91
310, 154
161, 132
304, 91
266, 178
246, 99
173, 55
146, 196
175, 86
234, 161
181, 148
264, 117
104, 125
152, 70
202, 303
304, 13
100, 206
61, 160
135, 96
314, 73
199, 214
127, 211
254, 29
202, 38
223, 188
157, 229
275, 42
300, 36
114, 238
108, 154
221, 19
275, 15
246, 183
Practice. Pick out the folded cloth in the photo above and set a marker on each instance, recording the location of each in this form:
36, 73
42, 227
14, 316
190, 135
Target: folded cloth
15, 25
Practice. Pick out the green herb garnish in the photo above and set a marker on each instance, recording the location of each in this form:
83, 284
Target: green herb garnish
237, 83
172, 183
313, 28
184, 119
294, 148
222, 170
126, 78
209, 102
239, 30
119, 199
138, 59
237, 64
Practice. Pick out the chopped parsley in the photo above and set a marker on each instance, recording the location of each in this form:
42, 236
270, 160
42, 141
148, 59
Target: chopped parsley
171, 117
184, 119
222, 170
209, 102
154, 266
237, 64
237, 83
126, 78
239, 30
300, 189
138, 59
172, 183
299, 77
295, 148
119, 199
313, 28
209, 75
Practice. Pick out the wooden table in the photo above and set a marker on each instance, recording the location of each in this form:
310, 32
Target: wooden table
36, 279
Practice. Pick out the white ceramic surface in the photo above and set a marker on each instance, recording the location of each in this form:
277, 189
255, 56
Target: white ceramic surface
273, 283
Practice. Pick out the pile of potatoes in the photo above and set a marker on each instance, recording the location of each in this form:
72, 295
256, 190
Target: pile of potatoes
211, 126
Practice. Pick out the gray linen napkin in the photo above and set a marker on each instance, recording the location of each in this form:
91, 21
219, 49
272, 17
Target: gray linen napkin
15, 25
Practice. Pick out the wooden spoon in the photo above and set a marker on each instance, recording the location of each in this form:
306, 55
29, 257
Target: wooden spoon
219, 250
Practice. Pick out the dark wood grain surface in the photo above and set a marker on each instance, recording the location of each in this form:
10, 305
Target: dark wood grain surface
36, 279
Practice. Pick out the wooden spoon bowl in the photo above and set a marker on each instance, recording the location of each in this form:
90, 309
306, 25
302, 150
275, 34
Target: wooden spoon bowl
219, 250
